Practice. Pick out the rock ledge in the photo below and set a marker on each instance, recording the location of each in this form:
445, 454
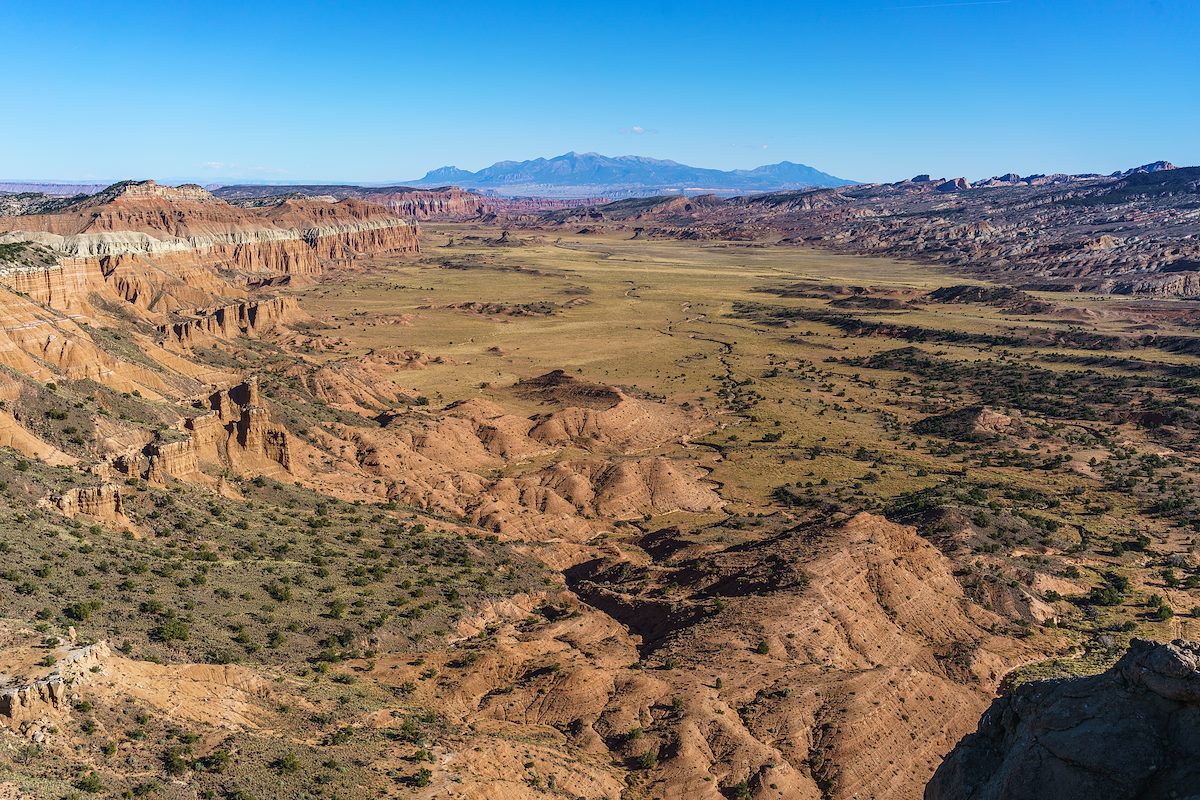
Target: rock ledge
1130, 732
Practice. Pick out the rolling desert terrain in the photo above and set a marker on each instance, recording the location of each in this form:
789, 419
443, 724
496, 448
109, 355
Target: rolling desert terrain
306, 497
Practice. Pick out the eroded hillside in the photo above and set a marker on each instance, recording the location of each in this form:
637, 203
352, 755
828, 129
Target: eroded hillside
1132, 233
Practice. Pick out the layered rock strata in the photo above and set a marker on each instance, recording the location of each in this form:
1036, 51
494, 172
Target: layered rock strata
50, 693
164, 249
237, 433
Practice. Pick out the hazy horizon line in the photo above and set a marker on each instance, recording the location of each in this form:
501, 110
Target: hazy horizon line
230, 180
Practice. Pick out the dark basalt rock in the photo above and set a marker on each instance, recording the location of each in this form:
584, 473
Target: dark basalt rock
1131, 732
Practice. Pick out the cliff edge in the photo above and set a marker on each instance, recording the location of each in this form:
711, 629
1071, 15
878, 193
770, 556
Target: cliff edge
1130, 732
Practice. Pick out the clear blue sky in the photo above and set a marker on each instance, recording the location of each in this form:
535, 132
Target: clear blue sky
375, 91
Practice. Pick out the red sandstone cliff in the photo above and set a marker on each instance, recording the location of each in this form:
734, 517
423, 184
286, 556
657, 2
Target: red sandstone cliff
236, 433
163, 249
250, 318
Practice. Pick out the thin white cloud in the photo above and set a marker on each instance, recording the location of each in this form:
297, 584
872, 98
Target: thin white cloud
239, 169
638, 130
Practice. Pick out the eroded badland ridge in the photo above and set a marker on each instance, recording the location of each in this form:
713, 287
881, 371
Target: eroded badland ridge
641, 500
1134, 233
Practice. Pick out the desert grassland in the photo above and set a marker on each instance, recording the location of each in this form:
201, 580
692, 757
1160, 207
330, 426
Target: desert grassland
659, 318
656, 320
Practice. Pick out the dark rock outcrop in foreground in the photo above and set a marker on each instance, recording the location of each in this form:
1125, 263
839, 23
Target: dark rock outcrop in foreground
1131, 732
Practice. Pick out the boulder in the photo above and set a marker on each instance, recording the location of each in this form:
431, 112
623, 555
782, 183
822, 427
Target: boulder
1130, 732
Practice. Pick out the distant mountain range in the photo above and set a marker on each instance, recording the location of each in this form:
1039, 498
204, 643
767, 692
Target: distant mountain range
591, 175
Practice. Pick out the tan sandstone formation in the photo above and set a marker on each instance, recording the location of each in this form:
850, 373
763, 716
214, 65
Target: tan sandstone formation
826, 662
161, 248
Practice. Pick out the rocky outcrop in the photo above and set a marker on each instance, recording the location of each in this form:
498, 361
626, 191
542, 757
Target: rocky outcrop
251, 319
1156, 166
102, 502
624, 490
954, 185
24, 702
58, 285
32, 698
440, 204
250, 244
975, 423
258, 436
46, 345
236, 433
161, 459
824, 662
453, 461
1165, 284
1131, 732
446, 203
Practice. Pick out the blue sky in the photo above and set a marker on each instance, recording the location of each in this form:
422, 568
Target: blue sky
378, 91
